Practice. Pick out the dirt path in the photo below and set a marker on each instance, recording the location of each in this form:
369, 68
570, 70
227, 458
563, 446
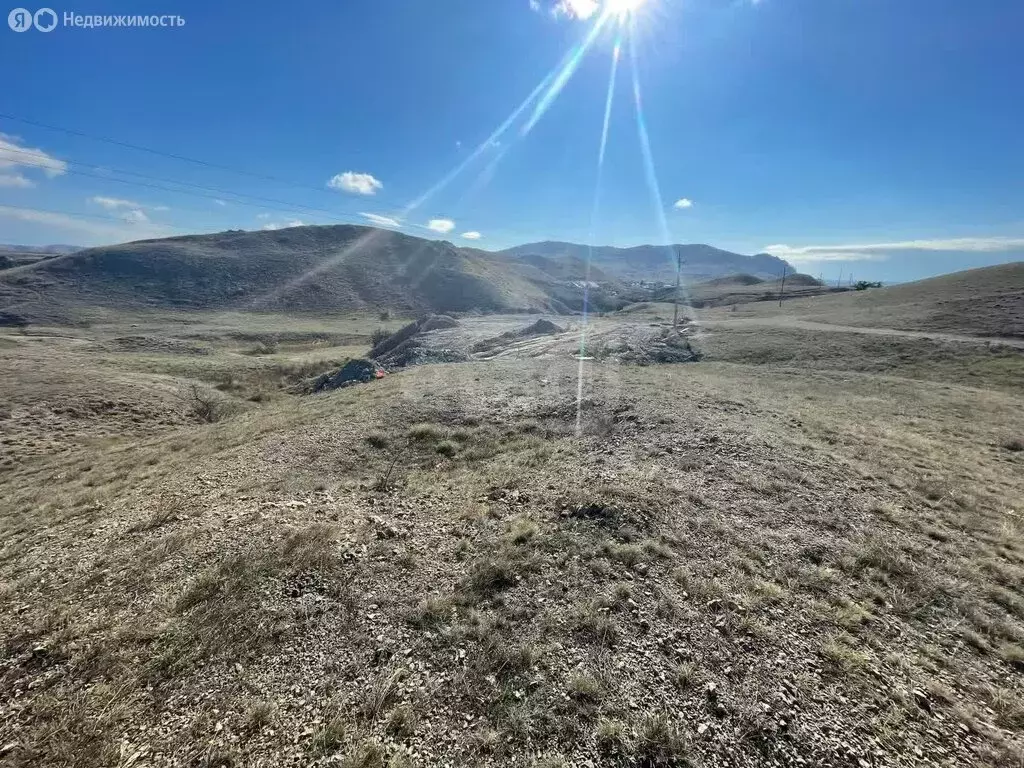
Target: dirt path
810, 325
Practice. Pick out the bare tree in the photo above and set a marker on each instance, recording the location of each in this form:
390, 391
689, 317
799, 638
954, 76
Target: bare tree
201, 404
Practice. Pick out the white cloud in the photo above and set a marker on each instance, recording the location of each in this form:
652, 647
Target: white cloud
262, 215
683, 203
83, 229
535, 5
136, 216
577, 9
219, 202
15, 180
293, 223
113, 203
472, 235
882, 251
13, 154
444, 226
356, 183
381, 221
136, 209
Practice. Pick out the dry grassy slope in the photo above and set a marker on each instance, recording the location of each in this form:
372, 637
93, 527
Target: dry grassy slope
302, 268
982, 302
742, 289
733, 566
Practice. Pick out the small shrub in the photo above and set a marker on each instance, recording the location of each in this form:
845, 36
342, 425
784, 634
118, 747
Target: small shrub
258, 715
683, 675
612, 739
976, 640
265, 347
842, 655
852, 615
381, 695
660, 743
585, 688
657, 549
377, 441
1016, 445
485, 740
627, 554
425, 433
201, 404
522, 530
401, 722
618, 597
447, 448
1013, 655
430, 612
597, 626
370, 754
331, 737
488, 576
379, 335
505, 659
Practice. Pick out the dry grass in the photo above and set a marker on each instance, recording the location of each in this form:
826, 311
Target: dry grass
247, 591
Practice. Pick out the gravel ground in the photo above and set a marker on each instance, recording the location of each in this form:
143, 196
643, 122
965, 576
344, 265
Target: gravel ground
728, 566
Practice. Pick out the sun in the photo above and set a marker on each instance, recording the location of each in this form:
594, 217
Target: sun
622, 8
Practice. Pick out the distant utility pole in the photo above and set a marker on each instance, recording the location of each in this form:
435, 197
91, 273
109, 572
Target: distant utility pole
679, 273
839, 282
782, 292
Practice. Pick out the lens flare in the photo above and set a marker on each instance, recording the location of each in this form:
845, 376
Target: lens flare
609, 99
622, 8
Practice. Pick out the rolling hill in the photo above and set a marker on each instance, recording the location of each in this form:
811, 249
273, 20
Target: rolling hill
657, 262
312, 268
742, 288
983, 302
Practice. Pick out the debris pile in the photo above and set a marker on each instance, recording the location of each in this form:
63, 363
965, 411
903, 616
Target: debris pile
356, 371
540, 328
671, 346
405, 346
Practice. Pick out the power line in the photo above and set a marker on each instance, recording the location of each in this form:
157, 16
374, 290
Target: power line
276, 204
158, 152
4, 206
196, 161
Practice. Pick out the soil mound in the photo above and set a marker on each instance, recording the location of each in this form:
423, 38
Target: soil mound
669, 347
405, 347
541, 327
356, 371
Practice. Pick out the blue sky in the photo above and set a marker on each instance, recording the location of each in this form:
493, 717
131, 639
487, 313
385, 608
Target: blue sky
881, 138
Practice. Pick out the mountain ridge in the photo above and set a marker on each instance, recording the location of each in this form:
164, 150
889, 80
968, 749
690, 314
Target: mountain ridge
657, 262
338, 267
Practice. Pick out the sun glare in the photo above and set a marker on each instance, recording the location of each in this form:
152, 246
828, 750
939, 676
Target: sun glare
622, 8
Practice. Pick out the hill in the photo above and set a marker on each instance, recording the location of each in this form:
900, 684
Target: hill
567, 268
743, 288
313, 268
657, 262
51, 250
982, 302
733, 280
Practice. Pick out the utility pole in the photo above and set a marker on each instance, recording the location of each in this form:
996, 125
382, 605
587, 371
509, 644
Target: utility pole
839, 282
679, 272
782, 292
